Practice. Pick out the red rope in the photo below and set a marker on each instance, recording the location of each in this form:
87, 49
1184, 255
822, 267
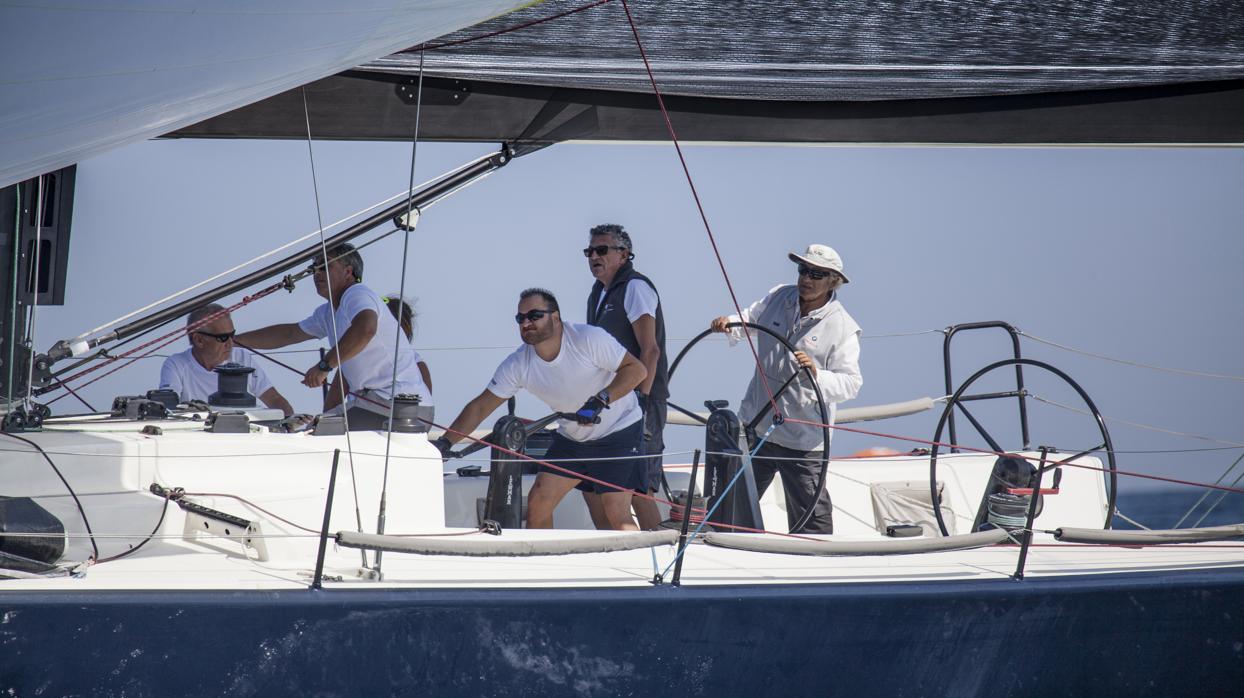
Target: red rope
166, 340
986, 451
669, 125
499, 32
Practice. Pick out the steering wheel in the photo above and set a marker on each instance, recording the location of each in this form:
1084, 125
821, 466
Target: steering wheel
764, 411
958, 400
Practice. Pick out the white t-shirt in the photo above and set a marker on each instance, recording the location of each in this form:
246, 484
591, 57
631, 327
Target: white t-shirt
183, 373
371, 368
588, 360
640, 300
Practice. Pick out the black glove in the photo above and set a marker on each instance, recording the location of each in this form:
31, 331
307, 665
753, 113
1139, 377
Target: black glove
643, 402
589, 413
442, 444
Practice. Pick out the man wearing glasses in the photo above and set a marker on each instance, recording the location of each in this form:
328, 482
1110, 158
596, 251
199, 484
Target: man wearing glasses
190, 372
826, 337
625, 304
365, 342
579, 371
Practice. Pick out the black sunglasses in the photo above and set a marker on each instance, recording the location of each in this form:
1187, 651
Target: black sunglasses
531, 315
600, 250
814, 274
222, 337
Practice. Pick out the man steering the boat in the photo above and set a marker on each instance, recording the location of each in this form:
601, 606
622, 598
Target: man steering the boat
626, 304
190, 373
826, 338
365, 340
582, 372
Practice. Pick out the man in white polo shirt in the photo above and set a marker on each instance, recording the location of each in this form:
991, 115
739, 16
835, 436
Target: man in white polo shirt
576, 369
190, 373
365, 343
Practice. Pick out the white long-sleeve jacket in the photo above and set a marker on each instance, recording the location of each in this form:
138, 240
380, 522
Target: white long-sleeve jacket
829, 335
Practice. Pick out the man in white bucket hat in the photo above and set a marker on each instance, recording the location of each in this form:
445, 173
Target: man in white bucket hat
827, 342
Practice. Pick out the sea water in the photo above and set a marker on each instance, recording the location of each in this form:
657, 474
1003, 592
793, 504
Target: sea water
1164, 508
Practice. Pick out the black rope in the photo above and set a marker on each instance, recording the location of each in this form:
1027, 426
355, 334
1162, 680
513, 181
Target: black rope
82, 512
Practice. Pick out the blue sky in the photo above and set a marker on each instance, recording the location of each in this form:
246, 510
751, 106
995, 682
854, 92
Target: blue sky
1131, 253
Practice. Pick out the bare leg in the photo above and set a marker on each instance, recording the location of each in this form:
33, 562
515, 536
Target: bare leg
597, 509
647, 513
617, 506
544, 497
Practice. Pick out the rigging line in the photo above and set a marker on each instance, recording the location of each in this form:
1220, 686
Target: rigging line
902, 334
397, 326
669, 125
1137, 364
34, 296
721, 498
260, 258
1218, 501
1207, 494
434, 47
159, 342
1139, 425
972, 449
332, 316
77, 502
1132, 521
154, 532
16, 241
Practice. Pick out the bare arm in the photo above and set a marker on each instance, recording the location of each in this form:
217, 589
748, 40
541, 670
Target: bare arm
362, 329
277, 401
630, 374
475, 411
426, 375
645, 329
273, 336
336, 392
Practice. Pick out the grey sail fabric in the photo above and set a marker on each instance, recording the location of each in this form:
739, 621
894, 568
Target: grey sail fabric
851, 51
951, 72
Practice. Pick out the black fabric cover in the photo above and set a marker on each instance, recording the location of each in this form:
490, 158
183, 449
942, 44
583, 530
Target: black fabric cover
835, 51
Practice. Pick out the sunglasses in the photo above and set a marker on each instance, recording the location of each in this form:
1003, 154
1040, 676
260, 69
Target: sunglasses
222, 338
814, 274
531, 315
600, 250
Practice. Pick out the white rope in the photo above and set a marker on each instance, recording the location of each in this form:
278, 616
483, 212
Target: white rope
332, 315
1138, 425
1152, 367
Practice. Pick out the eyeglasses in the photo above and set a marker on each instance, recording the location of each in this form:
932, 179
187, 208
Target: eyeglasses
815, 274
222, 337
600, 250
532, 315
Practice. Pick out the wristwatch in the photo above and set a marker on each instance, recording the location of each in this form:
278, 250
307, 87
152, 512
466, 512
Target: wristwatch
323, 366
603, 396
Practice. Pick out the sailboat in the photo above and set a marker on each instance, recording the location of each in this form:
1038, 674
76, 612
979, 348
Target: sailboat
177, 548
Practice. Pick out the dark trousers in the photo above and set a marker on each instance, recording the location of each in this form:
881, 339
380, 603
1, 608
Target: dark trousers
800, 475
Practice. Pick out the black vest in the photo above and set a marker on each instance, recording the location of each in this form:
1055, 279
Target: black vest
612, 318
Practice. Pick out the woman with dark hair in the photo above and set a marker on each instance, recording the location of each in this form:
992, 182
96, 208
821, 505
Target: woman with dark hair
405, 316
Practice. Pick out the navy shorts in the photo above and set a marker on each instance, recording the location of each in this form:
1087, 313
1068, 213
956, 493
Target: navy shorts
626, 467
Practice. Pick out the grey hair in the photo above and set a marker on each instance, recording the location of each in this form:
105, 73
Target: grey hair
621, 238
203, 311
543, 293
347, 255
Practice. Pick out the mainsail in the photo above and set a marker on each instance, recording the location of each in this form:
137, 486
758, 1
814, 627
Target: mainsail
1116, 71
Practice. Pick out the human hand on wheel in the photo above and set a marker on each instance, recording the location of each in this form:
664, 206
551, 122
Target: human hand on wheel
805, 361
719, 324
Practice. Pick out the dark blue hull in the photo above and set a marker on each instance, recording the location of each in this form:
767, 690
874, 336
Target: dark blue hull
1153, 634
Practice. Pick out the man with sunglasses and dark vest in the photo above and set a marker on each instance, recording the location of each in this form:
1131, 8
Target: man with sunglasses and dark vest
626, 304
190, 373
827, 342
584, 374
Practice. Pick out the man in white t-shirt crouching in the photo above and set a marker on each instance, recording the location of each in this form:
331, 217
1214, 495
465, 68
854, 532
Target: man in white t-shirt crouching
190, 373
366, 344
580, 370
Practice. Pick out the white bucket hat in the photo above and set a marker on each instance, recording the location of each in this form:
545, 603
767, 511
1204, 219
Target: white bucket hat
821, 257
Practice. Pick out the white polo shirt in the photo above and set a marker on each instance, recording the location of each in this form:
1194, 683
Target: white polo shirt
184, 374
372, 368
586, 364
